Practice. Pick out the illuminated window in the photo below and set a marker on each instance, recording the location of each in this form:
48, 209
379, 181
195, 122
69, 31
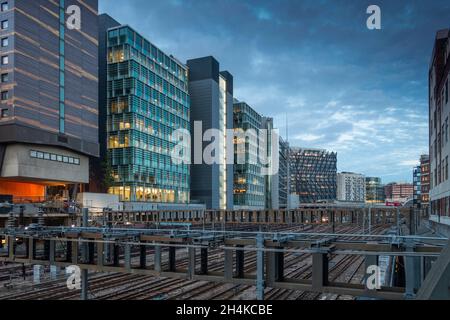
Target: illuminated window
5, 24
4, 6
5, 60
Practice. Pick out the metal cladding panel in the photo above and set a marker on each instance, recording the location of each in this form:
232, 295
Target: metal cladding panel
35, 61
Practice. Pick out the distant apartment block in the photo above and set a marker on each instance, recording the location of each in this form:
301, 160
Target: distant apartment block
374, 190
439, 111
351, 187
313, 174
425, 180
398, 192
49, 97
417, 186
211, 92
147, 100
249, 183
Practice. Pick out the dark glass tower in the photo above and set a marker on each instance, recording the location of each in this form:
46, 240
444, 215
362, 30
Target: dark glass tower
313, 174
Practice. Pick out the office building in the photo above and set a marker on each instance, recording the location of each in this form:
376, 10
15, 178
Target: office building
439, 110
351, 187
49, 93
313, 175
147, 100
211, 92
374, 190
249, 182
283, 175
398, 193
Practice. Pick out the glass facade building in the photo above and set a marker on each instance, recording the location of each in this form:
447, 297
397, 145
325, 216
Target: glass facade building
374, 190
147, 100
249, 184
313, 174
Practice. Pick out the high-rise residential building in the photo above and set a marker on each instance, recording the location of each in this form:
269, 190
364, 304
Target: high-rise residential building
398, 192
49, 96
417, 187
147, 100
351, 187
283, 174
313, 174
425, 181
374, 190
249, 182
439, 111
211, 92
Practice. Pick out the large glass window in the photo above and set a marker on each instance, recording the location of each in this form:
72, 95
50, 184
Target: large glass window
5, 60
5, 24
5, 42
4, 6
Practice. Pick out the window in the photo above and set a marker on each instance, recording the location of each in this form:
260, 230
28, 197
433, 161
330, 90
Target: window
5, 24
5, 6
4, 113
5, 95
4, 77
5, 60
5, 42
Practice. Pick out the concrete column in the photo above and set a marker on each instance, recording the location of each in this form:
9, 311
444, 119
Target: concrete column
157, 259
37, 273
191, 262
239, 262
228, 268
172, 259
127, 256
142, 256
412, 273
260, 285
31, 248
100, 254
116, 254
204, 261
54, 272
320, 270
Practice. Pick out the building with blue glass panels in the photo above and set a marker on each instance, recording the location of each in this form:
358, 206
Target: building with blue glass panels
147, 100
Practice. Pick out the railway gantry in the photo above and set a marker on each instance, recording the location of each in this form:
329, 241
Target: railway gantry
111, 250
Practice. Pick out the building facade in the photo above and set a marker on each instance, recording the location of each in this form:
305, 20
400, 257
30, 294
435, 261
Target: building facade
283, 175
398, 193
147, 100
211, 92
425, 181
439, 113
351, 187
417, 187
313, 174
49, 92
249, 183
374, 190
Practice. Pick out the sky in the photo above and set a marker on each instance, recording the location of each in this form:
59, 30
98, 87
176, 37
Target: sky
314, 65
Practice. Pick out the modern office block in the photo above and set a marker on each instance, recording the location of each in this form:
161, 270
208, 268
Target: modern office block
211, 93
49, 93
417, 187
398, 193
283, 175
249, 182
313, 174
374, 190
351, 187
147, 100
272, 190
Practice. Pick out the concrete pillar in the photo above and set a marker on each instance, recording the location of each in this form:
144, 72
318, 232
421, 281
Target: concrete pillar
239, 262
412, 273
228, 268
191, 262
54, 272
100, 254
320, 270
142, 256
31, 248
260, 285
157, 259
116, 254
204, 261
37, 273
172, 259
127, 256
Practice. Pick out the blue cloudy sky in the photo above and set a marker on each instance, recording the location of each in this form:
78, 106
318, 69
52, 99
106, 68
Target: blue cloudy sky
343, 87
